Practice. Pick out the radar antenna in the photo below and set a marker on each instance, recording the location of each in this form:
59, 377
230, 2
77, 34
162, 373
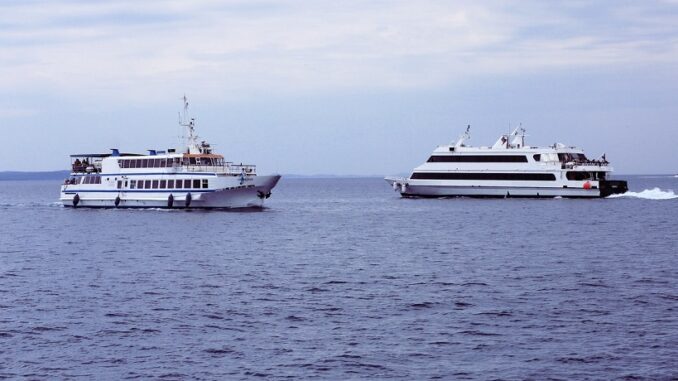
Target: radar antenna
191, 138
464, 137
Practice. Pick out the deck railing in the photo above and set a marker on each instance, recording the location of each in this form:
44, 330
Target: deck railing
592, 163
227, 168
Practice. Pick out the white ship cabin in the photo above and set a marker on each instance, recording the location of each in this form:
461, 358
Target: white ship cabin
91, 168
510, 151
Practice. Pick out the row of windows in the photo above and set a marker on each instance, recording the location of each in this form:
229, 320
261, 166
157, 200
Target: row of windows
163, 184
91, 180
562, 157
483, 176
169, 162
583, 175
478, 159
567, 157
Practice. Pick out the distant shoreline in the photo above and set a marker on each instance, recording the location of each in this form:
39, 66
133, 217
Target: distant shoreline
37, 175
60, 175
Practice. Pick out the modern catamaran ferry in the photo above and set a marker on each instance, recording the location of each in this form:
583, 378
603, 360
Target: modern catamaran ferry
509, 168
192, 177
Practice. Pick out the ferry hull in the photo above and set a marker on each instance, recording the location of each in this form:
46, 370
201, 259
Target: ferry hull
409, 189
250, 195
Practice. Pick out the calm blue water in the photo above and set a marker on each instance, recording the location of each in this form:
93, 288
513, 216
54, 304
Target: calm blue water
341, 279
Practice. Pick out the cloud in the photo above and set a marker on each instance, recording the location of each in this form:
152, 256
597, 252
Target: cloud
251, 48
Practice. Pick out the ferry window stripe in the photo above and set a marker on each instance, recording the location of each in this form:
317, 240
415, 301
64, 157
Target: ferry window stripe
478, 159
483, 176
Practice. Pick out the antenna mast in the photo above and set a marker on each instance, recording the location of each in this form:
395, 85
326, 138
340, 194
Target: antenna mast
189, 124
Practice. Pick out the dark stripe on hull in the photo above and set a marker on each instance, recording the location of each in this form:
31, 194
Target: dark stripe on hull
239, 208
411, 195
441, 191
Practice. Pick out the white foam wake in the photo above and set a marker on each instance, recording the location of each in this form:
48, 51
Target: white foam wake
649, 194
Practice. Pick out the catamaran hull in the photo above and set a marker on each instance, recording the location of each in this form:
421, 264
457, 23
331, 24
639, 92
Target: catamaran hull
249, 195
409, 189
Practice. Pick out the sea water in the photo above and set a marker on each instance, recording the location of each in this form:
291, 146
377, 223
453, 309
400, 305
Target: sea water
342, 279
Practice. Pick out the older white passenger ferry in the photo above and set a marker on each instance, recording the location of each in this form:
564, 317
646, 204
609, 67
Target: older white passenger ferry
509, 169
192, 177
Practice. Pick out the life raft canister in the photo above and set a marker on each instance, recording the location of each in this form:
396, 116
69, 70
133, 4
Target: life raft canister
587, 185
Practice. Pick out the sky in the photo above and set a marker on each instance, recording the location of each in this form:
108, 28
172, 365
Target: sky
338, 87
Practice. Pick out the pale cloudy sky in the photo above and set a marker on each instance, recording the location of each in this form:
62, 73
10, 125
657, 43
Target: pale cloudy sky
338, 87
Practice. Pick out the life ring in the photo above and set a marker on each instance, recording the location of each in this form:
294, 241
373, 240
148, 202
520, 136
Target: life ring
76, 200
170, 201
587, 185
188, 200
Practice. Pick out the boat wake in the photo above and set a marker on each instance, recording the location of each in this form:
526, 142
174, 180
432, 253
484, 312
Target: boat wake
648, 194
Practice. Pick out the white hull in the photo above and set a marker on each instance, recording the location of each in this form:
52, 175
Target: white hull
251, 194
499, 191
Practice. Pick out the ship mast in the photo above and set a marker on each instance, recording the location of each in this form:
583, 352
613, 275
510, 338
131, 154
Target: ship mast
191, 139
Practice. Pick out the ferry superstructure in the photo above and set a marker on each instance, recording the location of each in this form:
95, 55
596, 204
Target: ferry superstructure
509, 168
192, 177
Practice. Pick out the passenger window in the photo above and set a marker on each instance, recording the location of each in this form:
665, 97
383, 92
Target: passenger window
155, 184
119, 184
537, 157
125, 183
147, 184
170, 184
196, 183
132, 184
163, 184
204, 183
